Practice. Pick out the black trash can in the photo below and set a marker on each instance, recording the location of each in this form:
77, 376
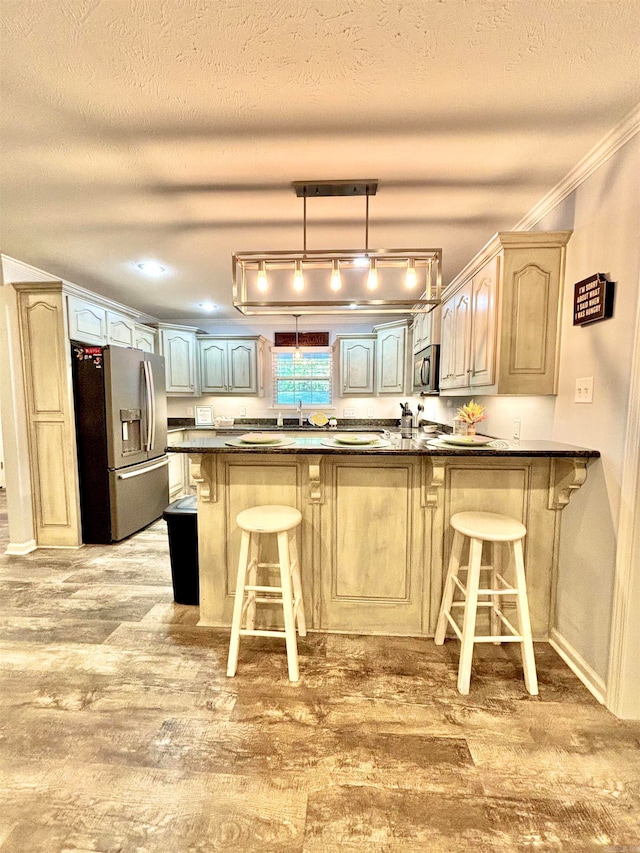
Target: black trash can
182, 523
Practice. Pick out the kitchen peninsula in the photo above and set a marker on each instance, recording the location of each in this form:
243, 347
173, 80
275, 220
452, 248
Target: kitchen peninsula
375, 536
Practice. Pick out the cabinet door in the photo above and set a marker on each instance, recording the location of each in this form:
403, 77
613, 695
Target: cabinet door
120, 330
178, 348
447, 345
87, 322
357, 367
391, 360
461, 337
483, 324
241, 360
145, 339
213, 367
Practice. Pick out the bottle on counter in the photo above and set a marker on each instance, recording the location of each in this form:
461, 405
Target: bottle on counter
406, 421
280, 420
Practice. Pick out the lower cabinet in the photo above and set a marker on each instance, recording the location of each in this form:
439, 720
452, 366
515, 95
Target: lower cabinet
178, 467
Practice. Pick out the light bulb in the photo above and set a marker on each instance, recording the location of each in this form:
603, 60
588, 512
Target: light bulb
372, 278
263, 284
411, 279
298, 278
336, 281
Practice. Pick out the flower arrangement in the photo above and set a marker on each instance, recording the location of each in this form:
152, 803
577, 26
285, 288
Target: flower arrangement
472, 413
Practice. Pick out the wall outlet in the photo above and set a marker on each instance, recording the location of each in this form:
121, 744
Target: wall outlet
348, 413
370, 412
243, 411
584, 390
516, 430
189, 411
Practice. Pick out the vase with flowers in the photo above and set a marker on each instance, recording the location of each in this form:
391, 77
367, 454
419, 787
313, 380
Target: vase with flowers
471, 413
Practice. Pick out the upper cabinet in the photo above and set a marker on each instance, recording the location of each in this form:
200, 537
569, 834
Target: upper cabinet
425, 330
145, 338
231, 365
501, 314
179, 346
357, 365
92, 319
391, 358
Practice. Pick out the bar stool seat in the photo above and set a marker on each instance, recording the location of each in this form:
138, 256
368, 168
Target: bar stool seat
480, 527
254, 522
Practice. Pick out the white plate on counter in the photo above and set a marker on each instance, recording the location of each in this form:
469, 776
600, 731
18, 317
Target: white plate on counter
492, 444
365, 445
260, 438
466, 440
356, 438
277, 441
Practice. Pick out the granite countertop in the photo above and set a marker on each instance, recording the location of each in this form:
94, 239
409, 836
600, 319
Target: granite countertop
312, 444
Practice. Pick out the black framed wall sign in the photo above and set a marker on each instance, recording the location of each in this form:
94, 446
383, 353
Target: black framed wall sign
592, 299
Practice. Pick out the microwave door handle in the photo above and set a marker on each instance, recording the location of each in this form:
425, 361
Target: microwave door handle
426, 363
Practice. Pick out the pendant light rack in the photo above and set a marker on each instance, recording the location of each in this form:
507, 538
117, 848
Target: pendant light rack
333, 281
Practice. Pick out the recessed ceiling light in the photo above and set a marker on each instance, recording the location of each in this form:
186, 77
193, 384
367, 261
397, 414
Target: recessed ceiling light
151, 268
207, 306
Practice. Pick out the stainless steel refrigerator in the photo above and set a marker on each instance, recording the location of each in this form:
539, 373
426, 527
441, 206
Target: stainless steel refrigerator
121, 431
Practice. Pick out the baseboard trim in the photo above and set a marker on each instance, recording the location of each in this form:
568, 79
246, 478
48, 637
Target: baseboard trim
19, 549
591, 680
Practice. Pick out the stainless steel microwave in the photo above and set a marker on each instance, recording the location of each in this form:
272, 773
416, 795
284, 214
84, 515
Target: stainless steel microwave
426, 369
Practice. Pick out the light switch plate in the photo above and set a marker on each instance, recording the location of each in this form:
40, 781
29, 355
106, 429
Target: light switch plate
584, 390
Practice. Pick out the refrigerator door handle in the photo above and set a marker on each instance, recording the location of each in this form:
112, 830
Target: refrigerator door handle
152, 398
127, 475
148, 396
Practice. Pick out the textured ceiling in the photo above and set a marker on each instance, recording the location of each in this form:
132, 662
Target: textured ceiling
172, 129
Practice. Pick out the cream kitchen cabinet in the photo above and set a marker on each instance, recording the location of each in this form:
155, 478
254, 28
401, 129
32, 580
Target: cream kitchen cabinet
456, 336
231, 365
501, 315
391, 358
178, 468
145, 338
425, 329
87, 321
179, 346
93, 321
357, 365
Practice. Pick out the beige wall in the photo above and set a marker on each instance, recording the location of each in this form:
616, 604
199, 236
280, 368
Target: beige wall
605, 213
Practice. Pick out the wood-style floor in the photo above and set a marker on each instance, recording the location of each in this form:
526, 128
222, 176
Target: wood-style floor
120, 732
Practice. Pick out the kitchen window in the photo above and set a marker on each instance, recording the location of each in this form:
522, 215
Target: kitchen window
306, 376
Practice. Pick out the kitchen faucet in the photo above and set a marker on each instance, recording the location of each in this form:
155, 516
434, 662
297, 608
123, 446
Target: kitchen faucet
299, 412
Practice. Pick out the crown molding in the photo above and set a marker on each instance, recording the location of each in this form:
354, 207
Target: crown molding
599, 154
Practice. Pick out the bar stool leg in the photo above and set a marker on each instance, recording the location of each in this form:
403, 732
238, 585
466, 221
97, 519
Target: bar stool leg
449, 587
522, 606
470, 610
495, 599
241, 579
287, 606
252, 573
297, 584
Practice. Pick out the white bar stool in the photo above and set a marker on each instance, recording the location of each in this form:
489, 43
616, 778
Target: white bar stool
281, 521
490, 527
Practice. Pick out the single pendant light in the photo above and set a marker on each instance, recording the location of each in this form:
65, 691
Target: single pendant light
372, 278
298, 278
411, 279
336, 281
263, 284
297, 353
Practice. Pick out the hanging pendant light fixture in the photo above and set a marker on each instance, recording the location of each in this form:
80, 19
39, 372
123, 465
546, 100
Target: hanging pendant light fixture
297, 352
332, 281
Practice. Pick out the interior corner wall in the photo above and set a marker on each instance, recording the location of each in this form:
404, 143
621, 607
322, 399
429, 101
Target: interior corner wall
604, 213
